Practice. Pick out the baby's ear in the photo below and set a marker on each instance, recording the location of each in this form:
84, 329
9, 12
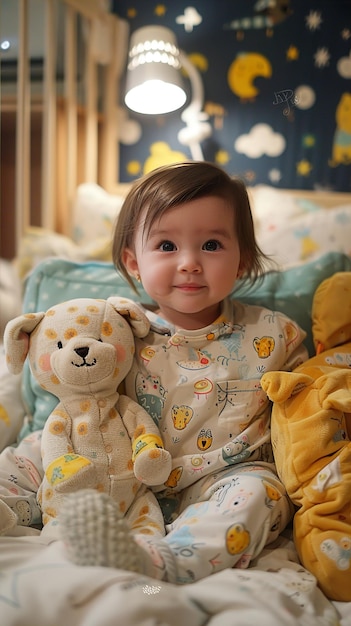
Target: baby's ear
133, 313
16, 339
279, 386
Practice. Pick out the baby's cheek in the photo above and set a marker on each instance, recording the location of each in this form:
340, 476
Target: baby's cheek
44, 362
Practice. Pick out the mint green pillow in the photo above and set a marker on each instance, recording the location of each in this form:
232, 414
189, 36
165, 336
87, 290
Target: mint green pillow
291, 291
55, 280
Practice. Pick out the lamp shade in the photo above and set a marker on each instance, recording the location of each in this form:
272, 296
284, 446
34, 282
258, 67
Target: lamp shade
154, 84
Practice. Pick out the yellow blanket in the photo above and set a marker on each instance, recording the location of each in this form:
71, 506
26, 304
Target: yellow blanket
311, 431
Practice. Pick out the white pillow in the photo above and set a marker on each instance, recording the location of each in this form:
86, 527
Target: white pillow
271, 207
94, 213
306, 237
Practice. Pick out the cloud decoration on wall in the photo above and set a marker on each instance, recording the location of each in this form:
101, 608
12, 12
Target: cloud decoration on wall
260, 141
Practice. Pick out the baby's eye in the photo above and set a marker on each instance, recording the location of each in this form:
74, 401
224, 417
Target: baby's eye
167, 246
59, 345
211, 245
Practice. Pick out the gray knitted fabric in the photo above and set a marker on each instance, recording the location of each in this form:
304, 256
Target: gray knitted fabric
96, 533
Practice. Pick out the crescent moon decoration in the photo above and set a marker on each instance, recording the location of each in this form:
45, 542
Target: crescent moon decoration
243, 71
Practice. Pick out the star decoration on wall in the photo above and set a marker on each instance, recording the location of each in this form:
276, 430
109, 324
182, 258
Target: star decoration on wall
160, 10
308, 141
346, 34
313, 20
292, 53
134, 168
304, 167
322, 57
222, 157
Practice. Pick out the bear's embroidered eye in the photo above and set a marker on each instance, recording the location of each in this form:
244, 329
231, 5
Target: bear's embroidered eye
59, 345
100, 340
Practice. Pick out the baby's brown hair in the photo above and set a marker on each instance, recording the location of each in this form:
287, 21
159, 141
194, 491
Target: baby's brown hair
171, 185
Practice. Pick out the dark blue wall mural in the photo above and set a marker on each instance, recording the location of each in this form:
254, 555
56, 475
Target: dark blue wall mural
277, 90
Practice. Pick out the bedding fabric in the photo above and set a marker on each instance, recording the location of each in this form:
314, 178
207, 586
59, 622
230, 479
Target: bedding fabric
293, 229
38, 585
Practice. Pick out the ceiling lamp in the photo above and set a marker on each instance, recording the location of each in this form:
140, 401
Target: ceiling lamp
154, 84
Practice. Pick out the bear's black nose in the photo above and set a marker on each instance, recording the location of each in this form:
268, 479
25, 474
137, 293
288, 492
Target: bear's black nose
82, 352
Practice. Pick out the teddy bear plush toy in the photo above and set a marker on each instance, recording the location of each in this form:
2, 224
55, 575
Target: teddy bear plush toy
311, 431
98, 445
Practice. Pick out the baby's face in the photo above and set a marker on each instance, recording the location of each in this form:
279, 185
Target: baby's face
190, 260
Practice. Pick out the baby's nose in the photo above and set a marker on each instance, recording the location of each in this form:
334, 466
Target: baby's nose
189, 262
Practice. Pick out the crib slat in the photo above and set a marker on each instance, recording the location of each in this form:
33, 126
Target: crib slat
71, 99
68, 129
108, 152
89, 8
22, 178
49, 120
91, 120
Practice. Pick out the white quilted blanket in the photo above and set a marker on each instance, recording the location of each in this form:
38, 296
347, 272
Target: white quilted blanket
38, 585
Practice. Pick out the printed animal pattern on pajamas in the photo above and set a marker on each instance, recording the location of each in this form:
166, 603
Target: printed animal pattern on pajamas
21, 473
223, 500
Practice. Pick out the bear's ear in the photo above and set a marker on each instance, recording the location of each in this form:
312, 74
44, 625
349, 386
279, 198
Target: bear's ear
133, 313
16, 339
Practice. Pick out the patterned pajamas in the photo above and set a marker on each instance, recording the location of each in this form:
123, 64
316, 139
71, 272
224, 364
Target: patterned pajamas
222, 501
21, 473
225, 520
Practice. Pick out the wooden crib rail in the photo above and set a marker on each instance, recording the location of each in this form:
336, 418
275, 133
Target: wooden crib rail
63, 131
